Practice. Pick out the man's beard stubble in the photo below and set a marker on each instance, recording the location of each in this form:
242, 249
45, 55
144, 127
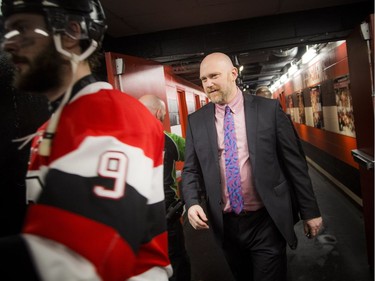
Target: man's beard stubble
44, 74
217, 99
220, 98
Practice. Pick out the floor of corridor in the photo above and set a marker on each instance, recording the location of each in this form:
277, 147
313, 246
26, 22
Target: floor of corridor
337, 254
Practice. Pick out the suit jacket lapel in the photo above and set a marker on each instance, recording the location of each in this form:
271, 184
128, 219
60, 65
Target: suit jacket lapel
251, 125
211, 130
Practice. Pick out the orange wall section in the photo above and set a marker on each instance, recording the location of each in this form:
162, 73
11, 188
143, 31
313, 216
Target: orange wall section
339, 146
146, 77
140, 76
342, 66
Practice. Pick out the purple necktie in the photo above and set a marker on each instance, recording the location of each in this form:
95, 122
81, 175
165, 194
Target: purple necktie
232, 169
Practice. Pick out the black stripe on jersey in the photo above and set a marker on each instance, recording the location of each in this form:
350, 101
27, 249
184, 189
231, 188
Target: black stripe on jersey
15, 260
129, 215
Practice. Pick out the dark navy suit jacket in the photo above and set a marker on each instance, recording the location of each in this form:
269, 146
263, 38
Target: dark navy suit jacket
280, 171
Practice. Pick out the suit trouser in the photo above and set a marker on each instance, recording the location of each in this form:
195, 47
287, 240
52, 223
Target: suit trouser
178, 256
254, 248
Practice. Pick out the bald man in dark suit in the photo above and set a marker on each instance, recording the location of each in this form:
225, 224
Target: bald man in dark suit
275, 188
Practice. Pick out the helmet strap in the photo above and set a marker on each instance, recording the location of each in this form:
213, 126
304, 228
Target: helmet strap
93, 46
45, 145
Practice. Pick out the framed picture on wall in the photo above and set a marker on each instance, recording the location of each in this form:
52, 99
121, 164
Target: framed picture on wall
316, 104
301, 108
289, 106
344, 106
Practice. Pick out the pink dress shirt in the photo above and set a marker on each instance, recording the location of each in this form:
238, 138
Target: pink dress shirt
252, 201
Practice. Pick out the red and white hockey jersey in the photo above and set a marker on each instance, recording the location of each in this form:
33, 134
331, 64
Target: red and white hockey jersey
99, 212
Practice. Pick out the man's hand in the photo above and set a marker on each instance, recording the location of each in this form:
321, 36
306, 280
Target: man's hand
312, 227
197, 217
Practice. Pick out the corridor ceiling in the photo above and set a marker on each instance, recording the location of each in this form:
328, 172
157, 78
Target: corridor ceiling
263, 36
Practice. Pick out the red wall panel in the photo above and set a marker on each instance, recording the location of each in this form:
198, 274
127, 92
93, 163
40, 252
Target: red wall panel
145, 77
337, 145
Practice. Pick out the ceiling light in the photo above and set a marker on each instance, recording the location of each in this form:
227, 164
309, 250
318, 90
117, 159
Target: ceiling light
309, 55
292, 69
283, 78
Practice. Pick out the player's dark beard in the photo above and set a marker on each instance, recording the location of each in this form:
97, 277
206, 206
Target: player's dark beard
44, 74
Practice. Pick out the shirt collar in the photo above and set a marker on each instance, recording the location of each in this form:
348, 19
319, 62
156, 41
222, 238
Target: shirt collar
235, 105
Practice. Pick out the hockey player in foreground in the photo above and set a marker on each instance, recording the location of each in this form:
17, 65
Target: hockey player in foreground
95, 175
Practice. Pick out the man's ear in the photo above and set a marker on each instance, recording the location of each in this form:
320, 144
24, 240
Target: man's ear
158, 114
71, 38
234, 73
